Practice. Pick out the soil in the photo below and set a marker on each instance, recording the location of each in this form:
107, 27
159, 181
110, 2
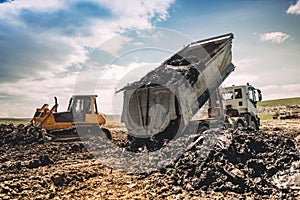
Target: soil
239, 164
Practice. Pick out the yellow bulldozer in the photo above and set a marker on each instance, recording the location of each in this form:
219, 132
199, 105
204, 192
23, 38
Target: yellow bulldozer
82, 113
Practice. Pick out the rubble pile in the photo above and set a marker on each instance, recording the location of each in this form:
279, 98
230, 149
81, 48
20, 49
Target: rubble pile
170, 73
245, 162
26, 155
20, 135
239, 163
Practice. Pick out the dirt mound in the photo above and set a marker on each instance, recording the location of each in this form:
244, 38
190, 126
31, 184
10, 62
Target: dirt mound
239, 163
15, 135
242, 161
26, 157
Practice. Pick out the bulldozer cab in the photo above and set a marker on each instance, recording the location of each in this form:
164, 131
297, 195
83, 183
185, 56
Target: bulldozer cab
82, 105
82, 110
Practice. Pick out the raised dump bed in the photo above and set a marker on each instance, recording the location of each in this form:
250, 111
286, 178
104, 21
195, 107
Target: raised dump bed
165, 99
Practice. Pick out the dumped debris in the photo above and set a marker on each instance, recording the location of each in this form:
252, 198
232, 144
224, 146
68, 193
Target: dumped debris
236, 163
170, 73
20, 135
245, 164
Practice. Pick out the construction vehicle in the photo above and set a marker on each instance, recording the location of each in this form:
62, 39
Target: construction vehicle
235, 107
82, 113
163, 102
241, 105
289, 114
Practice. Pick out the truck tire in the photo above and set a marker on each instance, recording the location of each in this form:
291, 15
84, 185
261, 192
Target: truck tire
136, 143
253, 124
107, 133
202, 128
239, 124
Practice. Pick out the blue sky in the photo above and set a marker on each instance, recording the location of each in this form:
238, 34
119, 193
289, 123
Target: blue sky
47, 48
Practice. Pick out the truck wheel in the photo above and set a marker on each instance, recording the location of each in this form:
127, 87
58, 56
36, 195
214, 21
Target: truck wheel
153, 145
107, 133
239, 124
203, 128
253, 124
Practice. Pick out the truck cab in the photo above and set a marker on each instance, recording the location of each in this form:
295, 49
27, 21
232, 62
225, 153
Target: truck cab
240, 103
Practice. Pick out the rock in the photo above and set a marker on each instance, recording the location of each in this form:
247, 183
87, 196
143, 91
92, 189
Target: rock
33, 163
45, 160
77, 147
58, 179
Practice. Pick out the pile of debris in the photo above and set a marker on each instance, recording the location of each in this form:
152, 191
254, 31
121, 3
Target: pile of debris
170, 72
240, 161
27, 147
20, 135
233, 161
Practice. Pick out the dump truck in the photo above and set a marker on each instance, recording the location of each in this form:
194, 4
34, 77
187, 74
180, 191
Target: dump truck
234, 107
161, 104
82, 113
241, 106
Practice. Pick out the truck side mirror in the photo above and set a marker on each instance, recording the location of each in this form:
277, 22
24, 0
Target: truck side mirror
259, 95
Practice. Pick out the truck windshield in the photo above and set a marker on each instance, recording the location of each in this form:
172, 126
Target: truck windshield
227, 95
257, 95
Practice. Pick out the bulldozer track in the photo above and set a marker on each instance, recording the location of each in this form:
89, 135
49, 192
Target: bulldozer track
71, 134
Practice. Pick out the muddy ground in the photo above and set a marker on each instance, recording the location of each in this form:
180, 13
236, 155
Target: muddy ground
242, 164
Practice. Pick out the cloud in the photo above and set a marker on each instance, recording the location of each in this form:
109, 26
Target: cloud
25, 54
72, 20
280, 91
294, 9
44, 45
23, 96
275, 37
115, 45
114, 78
143, 11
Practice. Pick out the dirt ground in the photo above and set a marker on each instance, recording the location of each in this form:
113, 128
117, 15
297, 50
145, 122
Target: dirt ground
288, 127
35, 168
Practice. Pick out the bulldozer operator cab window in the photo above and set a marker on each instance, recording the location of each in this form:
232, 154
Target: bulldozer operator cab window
80, 107
83, 105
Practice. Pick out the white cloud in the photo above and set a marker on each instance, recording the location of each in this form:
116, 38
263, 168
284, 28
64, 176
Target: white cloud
275, 37
25, 95
294, 9
41, 41
115, 45
280, 91
9, 10
141, 10
244, 64
114, 78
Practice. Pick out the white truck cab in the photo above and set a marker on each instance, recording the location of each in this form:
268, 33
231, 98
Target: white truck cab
240, 104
